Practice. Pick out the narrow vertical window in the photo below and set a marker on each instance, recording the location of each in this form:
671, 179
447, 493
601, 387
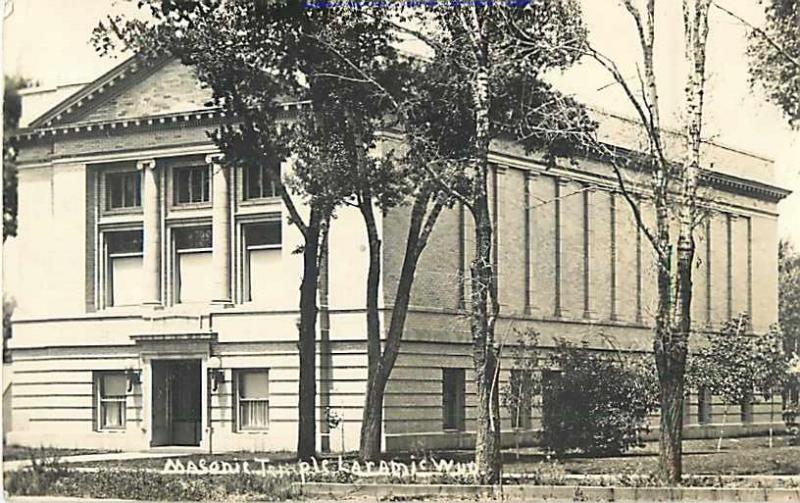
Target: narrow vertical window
703, 406
550, 383
453, 399
521, 383
111, 391
747, 409
252, 400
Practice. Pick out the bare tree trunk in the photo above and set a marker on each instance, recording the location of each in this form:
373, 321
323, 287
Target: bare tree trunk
670, 368
675, 342
307, 393
418, 234
484, 295
673, 316
671, 448
372, 419
484, 352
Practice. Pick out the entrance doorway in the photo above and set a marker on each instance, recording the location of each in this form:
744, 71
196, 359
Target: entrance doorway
177, 405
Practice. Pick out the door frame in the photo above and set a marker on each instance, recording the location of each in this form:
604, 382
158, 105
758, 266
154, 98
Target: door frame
147, 360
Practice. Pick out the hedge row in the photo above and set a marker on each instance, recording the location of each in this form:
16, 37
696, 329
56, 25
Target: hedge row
144, 485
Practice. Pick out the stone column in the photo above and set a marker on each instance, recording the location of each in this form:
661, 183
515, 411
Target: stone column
220, 231
151, 246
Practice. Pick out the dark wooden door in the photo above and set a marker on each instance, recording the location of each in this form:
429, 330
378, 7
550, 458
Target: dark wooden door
177, 402
186, 403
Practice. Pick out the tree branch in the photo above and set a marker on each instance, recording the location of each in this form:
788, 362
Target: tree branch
294, 215
763, 34
367, 78
427, 227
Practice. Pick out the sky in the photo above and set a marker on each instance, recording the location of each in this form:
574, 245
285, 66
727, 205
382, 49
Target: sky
48, 41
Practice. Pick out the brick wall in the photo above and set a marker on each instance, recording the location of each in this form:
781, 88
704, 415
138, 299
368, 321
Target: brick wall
617, 281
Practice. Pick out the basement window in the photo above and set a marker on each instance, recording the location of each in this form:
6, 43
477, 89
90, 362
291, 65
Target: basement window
704, 406
521, 383
453, 399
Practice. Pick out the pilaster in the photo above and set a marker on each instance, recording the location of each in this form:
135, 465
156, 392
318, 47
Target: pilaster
151, 234
220, 231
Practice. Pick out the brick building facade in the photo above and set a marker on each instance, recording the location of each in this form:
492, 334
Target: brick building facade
157, 287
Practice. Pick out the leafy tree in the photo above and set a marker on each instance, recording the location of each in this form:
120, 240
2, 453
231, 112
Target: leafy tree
224, 43
738, 366
9, 304
489, 86
789, 295
253, 55
352, 80
775, 56
789, 308
12, 110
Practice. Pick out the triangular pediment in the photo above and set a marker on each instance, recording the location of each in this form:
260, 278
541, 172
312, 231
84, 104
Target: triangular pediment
134, 89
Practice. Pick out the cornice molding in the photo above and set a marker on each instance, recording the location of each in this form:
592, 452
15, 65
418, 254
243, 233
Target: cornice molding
176, 119
738, 185
46, 128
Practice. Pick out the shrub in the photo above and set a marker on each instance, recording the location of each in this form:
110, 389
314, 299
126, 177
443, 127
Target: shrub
596, 403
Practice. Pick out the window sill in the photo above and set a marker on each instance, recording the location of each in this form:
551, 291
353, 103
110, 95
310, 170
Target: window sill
137, 210
191, 206
260, 201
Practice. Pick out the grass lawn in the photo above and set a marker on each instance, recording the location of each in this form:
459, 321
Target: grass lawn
16, 452
739, 456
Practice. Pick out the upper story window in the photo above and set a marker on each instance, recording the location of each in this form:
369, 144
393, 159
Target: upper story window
192, 264
123, 267
123, 190
191, 184
188, 239
262, 262
259, 181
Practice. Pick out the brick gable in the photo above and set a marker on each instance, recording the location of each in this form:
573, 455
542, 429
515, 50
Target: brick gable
171, 88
